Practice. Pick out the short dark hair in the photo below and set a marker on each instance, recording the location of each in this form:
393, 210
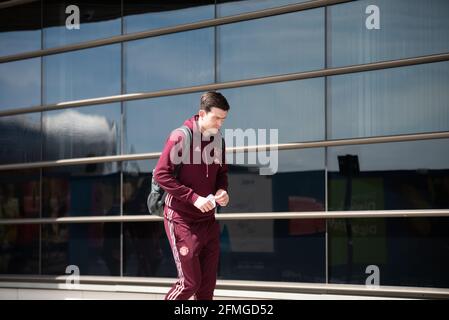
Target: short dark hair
213, 99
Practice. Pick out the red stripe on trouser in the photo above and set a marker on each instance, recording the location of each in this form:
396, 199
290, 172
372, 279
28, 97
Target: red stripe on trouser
197, 269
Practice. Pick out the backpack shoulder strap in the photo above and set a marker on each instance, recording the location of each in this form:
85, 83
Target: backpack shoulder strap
187, 134
186, 143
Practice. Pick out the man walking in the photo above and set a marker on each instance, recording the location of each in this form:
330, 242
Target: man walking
189, 213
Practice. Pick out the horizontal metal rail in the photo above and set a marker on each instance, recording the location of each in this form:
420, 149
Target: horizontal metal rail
241, 216
254, 148
41, 281
232, 84
13, 3
174, 29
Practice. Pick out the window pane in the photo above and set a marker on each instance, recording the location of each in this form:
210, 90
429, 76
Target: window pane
93, 248
232, 7
82, 132
250, 250
20, 28
84, 190
142, 16
295, 108
149, 122
275, 45
20, 138
146, 251
20, 83
407, 28
297, 185
136, 185
392, 176
96, 21
181, 59
272, 250
386, 102
407, 251
83, 74
19, 194
19, 249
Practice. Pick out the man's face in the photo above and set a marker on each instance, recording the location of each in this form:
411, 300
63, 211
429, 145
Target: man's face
212, 120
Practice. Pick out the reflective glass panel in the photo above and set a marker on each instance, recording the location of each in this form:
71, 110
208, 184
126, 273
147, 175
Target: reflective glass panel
82, 74
232, 7
149, 122
82, 132
170, 61
146, 250
19, 194
389, 176
296, 185
368, 31
67, 22
20, 138
20, 28
136, 185
392, 251
294, 108
272, 250
147, 15
93, 248
387, 102
20, 83
19, 249
84, 190
274, 45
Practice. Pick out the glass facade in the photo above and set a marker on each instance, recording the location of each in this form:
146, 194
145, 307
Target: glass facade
407, 175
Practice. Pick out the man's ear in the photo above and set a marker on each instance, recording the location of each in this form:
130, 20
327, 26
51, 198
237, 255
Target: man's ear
202, 113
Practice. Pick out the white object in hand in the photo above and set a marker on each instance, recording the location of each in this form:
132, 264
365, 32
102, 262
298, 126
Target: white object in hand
211, 198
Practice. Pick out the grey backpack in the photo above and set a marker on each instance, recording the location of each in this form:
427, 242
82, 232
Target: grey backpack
156, 198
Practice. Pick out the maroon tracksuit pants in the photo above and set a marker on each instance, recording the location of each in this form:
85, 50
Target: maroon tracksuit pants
196, 251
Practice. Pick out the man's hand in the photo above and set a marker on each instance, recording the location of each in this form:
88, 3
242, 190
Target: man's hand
222, 197
204, 204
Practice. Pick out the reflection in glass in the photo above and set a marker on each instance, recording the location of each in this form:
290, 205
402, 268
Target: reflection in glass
407, 28
93, 248
136, 185
142, 16
149, 122
19, 194
407, 251
19, 249
84, 190
146, 251
297, 185
272, 250
96, 21
294, 108
389, 176
181, 59
82, 132
386, 102
20, 28
280, 44
82, 74
232, 7
20, 83
20, 138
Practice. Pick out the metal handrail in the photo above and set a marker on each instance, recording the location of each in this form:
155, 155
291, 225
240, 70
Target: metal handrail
232, 84
126, 283
240, 216
169, 30
252, 148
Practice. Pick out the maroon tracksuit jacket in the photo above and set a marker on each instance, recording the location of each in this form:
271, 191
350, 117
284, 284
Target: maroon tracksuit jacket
193, 235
